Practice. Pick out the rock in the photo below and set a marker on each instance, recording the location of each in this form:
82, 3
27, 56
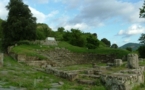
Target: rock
118, 62
60, 83
132, 61
110, 64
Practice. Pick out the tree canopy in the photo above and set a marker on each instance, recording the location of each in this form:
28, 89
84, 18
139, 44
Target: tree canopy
20, 24
114, 46
106, 41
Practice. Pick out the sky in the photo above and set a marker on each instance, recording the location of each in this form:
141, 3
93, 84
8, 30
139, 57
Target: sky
116, 20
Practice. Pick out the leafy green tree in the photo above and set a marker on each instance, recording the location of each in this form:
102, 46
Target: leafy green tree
61, 29
76, 38
129, 49
59, 33
1, 28
142, 11
43, 31
105, 41
114, 46
141, 51
92, 42
142, 39
20, 24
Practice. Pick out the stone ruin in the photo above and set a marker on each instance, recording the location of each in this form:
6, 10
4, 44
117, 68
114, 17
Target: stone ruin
132, 60
1, 59
120, 80
118, 62
47, 41
124, 79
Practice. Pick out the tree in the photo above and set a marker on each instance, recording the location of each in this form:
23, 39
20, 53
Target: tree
60, 29
142, 11
114, 46
129, 49
105, 41
43, 31
20, 24
141, 51
142, 39
92, 42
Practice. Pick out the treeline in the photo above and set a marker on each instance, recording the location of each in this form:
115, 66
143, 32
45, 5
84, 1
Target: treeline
21, 25
74, 36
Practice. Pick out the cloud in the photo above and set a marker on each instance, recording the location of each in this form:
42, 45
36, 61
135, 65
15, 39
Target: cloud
80, 26
41, 17
132, 30
94, 12
127, 40
52, 14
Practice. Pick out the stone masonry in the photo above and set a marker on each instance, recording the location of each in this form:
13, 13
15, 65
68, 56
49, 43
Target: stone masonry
132, 61
118, 62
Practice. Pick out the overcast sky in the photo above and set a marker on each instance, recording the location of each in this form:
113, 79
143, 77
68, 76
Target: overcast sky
116, 20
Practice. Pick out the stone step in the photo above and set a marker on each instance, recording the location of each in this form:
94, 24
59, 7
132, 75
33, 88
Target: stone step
90, 76
86, 81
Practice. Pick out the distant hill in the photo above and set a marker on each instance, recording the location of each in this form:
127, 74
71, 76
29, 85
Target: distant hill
134, 46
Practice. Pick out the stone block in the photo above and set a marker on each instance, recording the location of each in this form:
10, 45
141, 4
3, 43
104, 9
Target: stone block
118, 62
132, 61
21, 58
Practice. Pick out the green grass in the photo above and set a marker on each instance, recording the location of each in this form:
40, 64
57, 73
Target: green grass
100, 50
32, 49
142, 63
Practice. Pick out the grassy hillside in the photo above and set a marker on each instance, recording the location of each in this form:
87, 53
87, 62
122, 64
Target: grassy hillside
31, 49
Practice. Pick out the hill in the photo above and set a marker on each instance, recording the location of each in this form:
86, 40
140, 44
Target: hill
134, 46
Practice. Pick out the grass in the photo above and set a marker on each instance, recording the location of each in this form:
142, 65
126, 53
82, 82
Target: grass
100, 50
22, 76
34, 50
31, 50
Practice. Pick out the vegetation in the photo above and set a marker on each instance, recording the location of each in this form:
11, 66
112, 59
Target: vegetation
20, 24
43, 31
77, 38
1, 28
114, 46
129, 49
141, 51
106, 41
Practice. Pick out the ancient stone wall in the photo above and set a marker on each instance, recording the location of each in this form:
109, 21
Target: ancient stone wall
64, 57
